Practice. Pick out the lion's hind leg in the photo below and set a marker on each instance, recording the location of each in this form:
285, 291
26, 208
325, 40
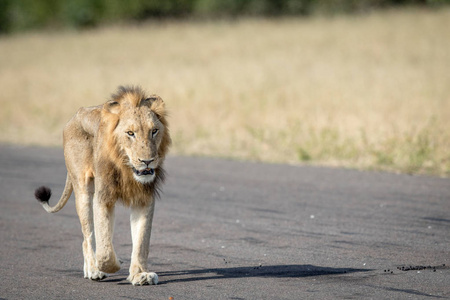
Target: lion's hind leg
78, 153
85, 213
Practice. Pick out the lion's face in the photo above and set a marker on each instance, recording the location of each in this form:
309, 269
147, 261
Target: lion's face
140, 134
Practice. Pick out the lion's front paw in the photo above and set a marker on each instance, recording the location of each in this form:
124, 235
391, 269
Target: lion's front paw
143, 278
108, 264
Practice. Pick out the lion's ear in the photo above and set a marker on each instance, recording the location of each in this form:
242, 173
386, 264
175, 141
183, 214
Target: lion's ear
112, 107
157, 105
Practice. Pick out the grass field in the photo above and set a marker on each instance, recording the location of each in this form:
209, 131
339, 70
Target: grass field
369, 91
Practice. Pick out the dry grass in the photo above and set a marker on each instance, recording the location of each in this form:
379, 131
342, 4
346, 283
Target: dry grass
367, 91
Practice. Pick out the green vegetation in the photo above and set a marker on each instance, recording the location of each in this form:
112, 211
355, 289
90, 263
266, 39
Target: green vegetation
19, 15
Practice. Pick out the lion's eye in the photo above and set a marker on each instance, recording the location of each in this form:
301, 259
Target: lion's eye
154, 132
130, 133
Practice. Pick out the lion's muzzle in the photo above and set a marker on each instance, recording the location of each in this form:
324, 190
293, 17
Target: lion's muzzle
148, 171
145, 175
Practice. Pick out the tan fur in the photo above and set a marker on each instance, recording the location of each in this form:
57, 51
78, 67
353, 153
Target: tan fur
107, 148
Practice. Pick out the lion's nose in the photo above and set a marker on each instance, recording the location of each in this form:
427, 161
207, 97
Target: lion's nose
147, 162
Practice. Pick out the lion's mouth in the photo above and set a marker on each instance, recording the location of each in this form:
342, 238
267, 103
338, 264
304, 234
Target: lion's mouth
148, 171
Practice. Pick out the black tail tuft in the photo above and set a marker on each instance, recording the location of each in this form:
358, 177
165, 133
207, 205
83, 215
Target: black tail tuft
43, 194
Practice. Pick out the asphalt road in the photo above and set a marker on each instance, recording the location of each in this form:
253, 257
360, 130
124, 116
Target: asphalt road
237, 230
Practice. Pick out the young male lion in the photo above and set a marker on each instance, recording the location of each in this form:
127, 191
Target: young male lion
114, 153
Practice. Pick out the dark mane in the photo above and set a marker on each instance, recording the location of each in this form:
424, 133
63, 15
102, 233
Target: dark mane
127, 89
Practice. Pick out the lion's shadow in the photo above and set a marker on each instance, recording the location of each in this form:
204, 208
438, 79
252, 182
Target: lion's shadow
270, 271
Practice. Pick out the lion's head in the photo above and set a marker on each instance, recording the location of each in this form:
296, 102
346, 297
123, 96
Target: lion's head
138, 133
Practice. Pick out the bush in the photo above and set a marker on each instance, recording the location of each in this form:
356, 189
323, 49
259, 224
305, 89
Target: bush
19, 15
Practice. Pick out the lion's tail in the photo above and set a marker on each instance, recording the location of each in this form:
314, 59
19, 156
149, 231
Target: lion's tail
44, 193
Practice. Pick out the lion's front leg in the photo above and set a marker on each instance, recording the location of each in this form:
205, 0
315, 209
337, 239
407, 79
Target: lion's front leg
106, 258
141, 226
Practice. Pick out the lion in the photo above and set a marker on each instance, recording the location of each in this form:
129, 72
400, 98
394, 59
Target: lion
114, 153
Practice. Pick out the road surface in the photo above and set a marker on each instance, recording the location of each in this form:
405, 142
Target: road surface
237, 230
